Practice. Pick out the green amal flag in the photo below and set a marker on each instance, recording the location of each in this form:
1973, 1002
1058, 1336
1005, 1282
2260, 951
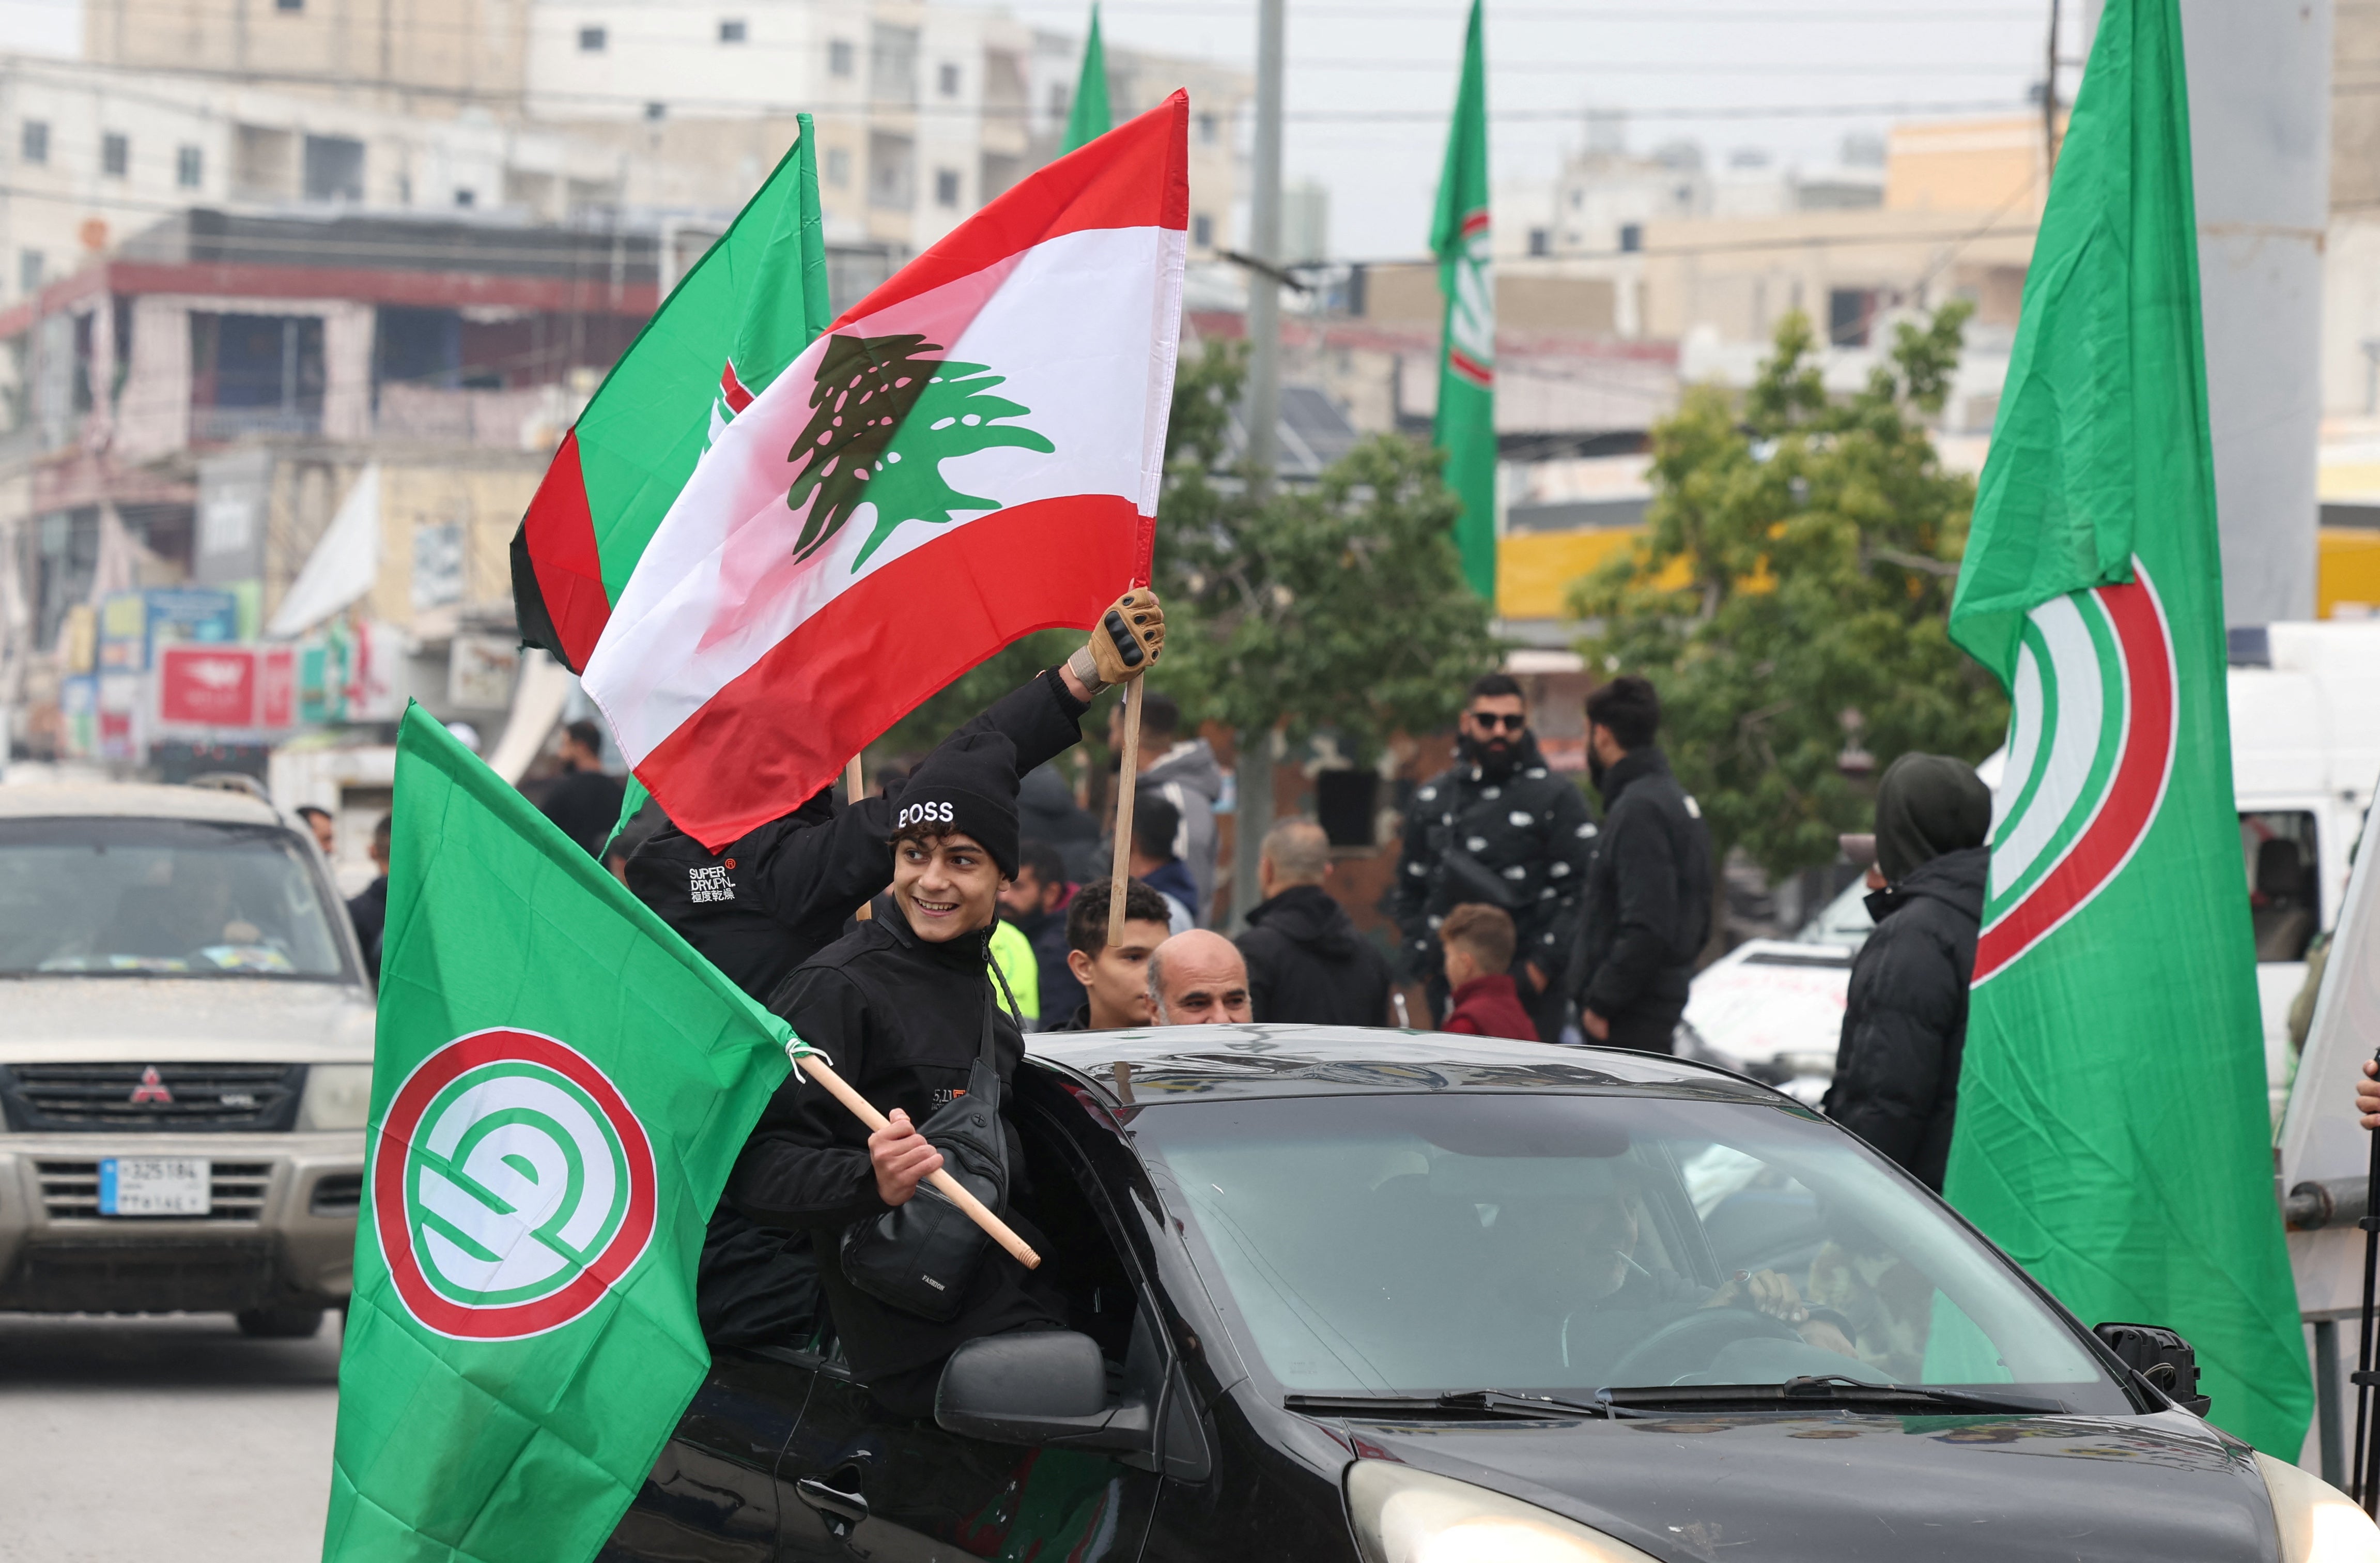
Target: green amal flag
749, 307
1090, 117
2113, 1132
1466, 426
560, 1088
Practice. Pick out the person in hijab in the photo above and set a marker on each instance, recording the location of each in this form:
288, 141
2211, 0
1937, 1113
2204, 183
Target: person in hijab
1905, 1019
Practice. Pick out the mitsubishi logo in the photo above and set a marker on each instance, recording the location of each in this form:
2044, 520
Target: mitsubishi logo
151, 1088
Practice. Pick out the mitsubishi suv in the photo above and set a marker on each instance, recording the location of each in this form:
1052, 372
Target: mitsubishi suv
186, 1042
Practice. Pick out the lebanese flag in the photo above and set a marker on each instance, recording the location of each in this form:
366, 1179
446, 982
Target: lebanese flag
969, 454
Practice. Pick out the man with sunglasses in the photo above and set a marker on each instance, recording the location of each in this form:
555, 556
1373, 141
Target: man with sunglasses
1497, 829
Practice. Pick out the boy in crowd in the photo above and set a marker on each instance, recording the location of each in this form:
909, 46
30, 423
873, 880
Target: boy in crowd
1478, 942
904, 1004
1114, 978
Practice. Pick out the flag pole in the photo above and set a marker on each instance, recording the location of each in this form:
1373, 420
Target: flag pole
943, 1182
1127, 785
850, 795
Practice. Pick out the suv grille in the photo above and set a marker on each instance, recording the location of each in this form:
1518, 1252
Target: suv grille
235, 1190
171, 1097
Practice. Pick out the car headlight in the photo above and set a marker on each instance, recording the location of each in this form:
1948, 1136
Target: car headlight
2319, 1523
338, 1096
1407, 1516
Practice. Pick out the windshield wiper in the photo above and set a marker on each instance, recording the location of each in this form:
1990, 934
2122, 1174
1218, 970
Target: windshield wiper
1493, 1402
1825, 1389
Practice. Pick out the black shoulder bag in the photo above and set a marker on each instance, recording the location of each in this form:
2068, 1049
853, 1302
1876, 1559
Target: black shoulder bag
922, 1256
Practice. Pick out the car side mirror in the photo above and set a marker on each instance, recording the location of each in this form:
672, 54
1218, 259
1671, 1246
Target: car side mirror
1037, 1386
2161, 1357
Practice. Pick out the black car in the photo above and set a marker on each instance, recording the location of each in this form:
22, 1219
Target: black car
1345, 1294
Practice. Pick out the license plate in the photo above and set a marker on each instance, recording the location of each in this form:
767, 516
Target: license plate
153, 1186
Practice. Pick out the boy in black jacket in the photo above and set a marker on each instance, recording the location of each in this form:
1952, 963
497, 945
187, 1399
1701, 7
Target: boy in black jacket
899, 1005
781, 892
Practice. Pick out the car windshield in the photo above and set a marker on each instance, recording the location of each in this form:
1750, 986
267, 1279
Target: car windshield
100, 895
1419, 1245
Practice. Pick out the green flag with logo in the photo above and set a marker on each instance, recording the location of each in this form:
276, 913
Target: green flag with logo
2113, 1132
560, 1087
1465, 425
1090, 117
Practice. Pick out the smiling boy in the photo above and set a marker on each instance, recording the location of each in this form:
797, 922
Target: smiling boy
899, 1004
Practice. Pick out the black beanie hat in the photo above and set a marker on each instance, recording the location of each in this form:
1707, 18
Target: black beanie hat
967, 785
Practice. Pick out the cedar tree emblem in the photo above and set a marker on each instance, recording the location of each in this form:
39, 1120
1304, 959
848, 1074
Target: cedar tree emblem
883, 419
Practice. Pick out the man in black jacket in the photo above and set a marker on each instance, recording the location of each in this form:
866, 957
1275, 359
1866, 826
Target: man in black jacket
781, 892
900, 1004
585, 801
1646, 911
1501, 830
1905, 1019
1306, 962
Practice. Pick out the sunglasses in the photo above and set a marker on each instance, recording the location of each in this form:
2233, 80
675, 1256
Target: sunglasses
1489, 720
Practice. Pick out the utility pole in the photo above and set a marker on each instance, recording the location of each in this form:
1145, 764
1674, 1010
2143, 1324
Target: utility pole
1253, 770
2049, 104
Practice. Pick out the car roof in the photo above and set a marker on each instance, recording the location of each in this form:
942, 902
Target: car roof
133, 800
1139, 1068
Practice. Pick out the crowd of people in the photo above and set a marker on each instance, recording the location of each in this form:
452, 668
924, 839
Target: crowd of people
916, 934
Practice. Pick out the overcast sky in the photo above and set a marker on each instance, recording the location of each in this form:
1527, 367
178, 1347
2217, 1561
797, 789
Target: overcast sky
1370, 85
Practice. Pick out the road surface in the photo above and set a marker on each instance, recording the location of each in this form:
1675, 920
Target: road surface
144, 1440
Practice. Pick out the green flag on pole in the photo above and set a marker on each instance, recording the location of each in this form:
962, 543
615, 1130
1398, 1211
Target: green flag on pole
745, 311
1090, 117
2113, 1131
560, 1087
1466, 426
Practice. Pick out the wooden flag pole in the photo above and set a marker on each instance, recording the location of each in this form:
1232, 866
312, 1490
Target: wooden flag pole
944, 1183
1127, 786
852, 794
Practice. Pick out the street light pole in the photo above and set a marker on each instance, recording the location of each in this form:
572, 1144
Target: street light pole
1252, 773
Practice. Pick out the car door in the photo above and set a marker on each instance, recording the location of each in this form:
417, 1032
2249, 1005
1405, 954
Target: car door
862, 1484
712, 1496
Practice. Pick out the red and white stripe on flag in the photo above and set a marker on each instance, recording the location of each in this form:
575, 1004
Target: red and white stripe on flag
970, 453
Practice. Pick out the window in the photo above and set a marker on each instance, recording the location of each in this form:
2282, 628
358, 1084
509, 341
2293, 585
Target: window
946, 187
732, 30
115, 154
2284, 882
33, 144
656, 111
255, 374
892, 64
838, 167
1577, 200
890, 173
1541, 242
29, 270
1202, 230
590, 40
467, 198
840, 56
1849, 313
292, 7
1209, 128
334, 169
946, 80
1631, 238
188, 167
1059, 100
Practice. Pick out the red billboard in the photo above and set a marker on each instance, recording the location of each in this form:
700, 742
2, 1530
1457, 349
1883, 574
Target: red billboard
210, 686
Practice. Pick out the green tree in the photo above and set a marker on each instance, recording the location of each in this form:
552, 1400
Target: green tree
1791, 594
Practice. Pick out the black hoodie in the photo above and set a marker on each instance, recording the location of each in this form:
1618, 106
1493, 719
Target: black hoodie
901, 1018
1309, 966
1905, 1018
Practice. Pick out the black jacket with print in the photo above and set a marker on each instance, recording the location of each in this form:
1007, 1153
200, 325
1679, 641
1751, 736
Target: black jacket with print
779, 894
1528, 828
901, 1018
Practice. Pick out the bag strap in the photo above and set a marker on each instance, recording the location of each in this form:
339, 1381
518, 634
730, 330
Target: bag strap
1016, 1010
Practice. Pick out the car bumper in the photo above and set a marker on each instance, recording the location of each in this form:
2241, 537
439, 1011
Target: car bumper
282, 1229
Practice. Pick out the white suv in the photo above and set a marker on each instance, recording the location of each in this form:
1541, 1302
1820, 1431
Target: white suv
185, 1043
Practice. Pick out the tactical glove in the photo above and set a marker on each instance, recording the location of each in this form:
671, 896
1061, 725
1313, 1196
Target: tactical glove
1127, 641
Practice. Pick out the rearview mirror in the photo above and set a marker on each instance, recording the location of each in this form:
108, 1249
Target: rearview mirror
2161, 1357
1037, 1387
